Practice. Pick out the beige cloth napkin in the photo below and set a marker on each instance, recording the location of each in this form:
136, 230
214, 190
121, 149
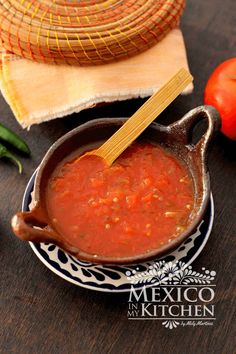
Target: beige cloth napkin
40, 92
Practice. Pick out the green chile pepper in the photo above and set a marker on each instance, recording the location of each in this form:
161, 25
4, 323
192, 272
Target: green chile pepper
10, 137
5, 153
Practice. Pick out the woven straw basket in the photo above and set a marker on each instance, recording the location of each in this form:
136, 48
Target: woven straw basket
85, 32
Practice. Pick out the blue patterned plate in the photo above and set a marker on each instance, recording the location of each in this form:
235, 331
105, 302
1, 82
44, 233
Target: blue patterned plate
113, 278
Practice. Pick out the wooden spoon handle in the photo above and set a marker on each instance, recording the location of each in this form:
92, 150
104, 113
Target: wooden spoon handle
134, 126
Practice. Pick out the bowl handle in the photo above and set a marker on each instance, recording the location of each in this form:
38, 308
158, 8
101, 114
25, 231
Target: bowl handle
184, 126
29, 226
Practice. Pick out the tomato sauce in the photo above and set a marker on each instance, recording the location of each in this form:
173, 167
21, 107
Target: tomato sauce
143, 201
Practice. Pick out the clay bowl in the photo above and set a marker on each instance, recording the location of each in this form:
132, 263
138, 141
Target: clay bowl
36, 226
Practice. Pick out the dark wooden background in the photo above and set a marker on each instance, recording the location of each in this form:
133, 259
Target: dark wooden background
41, 313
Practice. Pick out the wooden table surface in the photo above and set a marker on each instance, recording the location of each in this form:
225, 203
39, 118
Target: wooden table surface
42, 313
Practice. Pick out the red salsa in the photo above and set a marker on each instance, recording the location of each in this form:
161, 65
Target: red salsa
143, 201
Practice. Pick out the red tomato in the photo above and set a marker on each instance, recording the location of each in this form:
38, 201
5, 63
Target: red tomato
220, 92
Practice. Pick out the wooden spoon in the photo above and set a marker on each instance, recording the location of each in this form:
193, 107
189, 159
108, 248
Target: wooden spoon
141, 119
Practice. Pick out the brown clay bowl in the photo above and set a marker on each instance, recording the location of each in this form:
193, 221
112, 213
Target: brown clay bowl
36, 226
